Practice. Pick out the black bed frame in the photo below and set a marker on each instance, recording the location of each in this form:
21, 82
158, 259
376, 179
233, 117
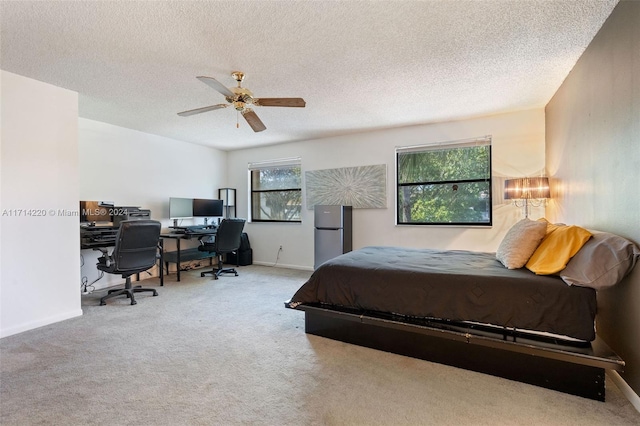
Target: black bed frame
575, 368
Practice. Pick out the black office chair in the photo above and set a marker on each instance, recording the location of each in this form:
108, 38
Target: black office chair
135, 251
227, 240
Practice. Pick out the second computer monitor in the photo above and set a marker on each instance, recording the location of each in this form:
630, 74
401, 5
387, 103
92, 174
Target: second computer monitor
207, 208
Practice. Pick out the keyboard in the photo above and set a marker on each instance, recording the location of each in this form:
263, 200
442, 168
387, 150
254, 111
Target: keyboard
192, 228
196, 227
206, 231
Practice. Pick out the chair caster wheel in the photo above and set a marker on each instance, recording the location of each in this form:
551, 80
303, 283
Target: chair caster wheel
133, 302
155, 293
103, 303
201, 274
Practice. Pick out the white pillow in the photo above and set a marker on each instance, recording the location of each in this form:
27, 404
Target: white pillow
520, 242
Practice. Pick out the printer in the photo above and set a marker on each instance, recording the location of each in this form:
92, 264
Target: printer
129, 213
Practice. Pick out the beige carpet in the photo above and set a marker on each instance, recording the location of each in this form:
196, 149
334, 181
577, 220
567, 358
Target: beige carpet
227, 352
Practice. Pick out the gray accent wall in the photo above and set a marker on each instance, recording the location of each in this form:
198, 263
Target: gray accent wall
593, 158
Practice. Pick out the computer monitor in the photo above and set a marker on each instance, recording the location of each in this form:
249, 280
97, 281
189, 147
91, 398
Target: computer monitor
180, 208
207, 208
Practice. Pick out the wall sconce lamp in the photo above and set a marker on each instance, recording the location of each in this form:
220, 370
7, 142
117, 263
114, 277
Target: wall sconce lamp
532, 191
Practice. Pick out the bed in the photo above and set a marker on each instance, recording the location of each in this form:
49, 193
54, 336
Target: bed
464, 309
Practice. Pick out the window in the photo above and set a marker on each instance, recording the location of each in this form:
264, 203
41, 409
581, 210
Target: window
276, 190
445, 184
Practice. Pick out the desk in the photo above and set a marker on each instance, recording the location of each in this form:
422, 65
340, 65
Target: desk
186, 255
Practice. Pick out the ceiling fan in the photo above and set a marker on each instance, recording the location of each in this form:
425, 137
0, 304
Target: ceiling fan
241, 98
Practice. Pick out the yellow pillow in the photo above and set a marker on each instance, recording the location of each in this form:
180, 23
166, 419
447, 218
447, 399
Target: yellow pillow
556, 249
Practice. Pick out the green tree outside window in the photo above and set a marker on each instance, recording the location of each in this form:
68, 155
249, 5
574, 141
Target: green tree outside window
445, 185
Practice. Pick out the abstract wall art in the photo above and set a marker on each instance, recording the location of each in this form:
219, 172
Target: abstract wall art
363, 187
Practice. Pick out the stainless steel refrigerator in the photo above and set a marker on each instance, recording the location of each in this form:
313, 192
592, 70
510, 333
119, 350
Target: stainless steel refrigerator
332, 233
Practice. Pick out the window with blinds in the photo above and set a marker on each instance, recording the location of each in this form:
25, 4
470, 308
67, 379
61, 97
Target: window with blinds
276, 190
445, 183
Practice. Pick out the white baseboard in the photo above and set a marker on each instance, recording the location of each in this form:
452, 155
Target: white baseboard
282, 265
626, 390
6, 332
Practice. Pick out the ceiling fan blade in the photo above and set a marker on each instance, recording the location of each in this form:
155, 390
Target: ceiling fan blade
253, 120
203, 109
216, 85
280, 102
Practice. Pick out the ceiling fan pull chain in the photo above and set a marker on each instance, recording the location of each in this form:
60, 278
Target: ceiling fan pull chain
237, 119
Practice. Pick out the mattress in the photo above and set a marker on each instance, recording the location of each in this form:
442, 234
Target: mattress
454, 285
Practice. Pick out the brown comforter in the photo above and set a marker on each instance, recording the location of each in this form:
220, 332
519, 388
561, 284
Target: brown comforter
455, 285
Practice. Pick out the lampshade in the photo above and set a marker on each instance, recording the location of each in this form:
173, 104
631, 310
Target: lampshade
527, 188
228, 196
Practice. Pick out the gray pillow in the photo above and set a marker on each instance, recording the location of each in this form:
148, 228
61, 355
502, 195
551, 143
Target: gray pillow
603, 261
520, 242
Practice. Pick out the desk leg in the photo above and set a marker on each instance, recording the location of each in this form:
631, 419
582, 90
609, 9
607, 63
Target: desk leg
178, 257
161, 242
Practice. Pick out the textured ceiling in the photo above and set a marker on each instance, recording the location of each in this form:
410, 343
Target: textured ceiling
359, 65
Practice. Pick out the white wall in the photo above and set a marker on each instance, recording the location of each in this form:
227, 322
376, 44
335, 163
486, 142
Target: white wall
133, 168
40, 264
517, 150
